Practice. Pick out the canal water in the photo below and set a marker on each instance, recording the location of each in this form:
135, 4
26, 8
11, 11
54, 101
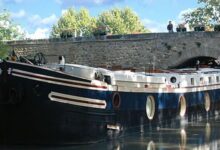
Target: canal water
199, 134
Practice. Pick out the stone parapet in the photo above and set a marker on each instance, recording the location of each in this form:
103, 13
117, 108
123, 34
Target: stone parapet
159, 50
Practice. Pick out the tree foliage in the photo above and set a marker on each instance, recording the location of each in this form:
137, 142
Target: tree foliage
121, 21
3, 50
8, 31
73, 22
117, 21
208, 14
86, 23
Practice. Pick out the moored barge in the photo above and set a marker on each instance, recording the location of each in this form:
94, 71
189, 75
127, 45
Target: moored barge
72, 104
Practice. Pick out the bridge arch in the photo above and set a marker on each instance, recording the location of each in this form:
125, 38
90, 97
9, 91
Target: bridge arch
204, 61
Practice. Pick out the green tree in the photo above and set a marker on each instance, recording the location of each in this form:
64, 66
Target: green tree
117, 21
8, 31
3, 50
121, 21
86, 23
74, 23
208, 14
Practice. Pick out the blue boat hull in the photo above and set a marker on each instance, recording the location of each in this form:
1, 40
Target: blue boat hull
28, 115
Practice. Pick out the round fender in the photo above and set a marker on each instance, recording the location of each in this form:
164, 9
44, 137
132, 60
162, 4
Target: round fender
150, 107
207, 101
116, 100
182, 106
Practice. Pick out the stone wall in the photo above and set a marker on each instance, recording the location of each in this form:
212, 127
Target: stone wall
139, 50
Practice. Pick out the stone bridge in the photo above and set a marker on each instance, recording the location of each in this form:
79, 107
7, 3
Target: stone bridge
159, 50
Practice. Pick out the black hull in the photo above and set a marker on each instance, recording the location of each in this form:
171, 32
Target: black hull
29, 117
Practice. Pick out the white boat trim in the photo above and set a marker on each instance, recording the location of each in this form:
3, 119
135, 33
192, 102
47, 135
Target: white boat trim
168, 90
104, 87
59, 81
77, 100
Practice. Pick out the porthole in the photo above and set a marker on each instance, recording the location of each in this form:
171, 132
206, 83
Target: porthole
150, 107
173, 79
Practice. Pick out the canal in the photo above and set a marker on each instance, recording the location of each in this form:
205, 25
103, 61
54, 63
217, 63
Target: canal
199, 134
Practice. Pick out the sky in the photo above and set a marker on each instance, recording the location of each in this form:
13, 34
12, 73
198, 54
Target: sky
36, 17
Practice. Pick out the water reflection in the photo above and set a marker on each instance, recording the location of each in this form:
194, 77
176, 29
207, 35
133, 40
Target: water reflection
196, 135
183, 139
151, 146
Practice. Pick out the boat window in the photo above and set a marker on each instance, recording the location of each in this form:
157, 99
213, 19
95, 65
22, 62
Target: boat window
201, 80
217, 78
99, 76
107, 79
210, 80
192, 81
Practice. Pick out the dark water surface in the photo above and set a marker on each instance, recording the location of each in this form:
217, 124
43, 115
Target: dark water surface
201, 134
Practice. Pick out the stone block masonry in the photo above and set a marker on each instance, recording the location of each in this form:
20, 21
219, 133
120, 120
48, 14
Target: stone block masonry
159, 50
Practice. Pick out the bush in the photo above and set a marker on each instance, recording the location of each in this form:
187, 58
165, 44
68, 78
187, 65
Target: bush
66, 34
217, 27
199, 28
99, 33
101, 30
181, 29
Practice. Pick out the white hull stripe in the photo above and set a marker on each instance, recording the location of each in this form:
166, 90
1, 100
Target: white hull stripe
55, 80
168, 90
76, 100
86, 85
